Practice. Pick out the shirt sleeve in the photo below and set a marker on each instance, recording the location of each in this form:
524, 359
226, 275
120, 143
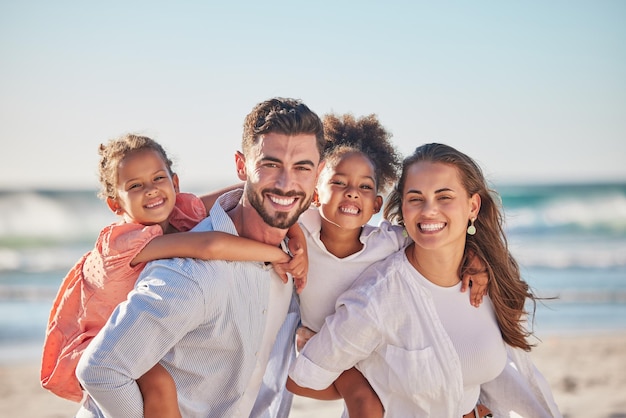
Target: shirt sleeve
396, 232
188, 211
349, 335
165, 305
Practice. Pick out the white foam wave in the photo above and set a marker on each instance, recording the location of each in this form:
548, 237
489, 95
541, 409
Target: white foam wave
44, 259
33, 215
607, 212
567, 254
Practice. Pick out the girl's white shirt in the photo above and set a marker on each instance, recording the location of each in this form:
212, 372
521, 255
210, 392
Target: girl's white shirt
329, 276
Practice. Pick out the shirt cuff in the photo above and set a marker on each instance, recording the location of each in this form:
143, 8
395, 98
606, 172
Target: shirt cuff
309, 375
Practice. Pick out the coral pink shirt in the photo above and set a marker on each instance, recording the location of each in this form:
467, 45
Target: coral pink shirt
92, 289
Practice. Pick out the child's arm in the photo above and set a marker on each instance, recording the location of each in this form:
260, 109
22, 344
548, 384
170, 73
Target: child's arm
209, 245
159, 393
298, 266
477, 275
210, 198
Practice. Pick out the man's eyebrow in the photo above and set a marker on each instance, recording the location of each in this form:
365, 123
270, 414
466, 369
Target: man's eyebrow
305, 162
278, 160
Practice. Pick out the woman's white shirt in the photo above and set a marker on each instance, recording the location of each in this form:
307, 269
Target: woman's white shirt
387, 326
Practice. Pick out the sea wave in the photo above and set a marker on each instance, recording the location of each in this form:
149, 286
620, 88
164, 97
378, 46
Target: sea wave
552, 226
600, 214
31, 219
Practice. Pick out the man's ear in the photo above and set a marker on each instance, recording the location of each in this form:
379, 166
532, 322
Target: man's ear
113, 205
240, 163
175, 182
378, 203
320, 168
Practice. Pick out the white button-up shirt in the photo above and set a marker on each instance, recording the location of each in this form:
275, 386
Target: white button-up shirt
387, 325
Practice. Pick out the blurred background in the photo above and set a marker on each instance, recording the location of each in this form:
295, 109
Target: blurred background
534, 91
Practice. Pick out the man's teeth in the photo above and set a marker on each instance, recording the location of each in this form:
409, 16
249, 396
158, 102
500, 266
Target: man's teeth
285, 201
432, 227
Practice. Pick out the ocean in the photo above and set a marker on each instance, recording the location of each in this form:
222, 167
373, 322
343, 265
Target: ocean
570, 241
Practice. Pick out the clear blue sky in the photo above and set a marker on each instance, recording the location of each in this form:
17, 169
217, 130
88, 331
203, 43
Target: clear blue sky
534, 90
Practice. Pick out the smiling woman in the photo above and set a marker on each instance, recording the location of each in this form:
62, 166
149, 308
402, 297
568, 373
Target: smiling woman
405, 323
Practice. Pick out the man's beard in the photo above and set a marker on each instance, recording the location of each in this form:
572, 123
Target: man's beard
281, 220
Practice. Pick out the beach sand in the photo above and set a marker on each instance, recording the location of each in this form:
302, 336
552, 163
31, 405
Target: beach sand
587, 375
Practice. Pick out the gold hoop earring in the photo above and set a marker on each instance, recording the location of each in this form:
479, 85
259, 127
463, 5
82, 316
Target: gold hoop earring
471, 229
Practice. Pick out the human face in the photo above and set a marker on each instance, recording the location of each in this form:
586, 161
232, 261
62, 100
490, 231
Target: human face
280, 172
347, 192
436, 207
146, 192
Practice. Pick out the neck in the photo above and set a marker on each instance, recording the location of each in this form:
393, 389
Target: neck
249, 224
340, 242
437, 266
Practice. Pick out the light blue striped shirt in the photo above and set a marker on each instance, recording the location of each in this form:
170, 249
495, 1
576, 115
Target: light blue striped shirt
204, 322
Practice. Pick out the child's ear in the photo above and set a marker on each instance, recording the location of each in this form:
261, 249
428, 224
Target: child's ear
113, 205
315, 200
378, 203
240, 163
175, 182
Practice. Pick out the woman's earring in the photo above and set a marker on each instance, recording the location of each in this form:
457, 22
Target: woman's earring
471, 230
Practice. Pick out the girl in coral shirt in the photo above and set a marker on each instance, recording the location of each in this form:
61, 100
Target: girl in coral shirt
139, 185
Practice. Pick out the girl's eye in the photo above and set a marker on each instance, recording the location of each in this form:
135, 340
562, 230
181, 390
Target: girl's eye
134, 186
337, 182
159, 178
367, 187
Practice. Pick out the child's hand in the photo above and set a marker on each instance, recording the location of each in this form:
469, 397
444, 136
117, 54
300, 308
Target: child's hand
478, 287
303, 334
477, 275
298, 266
280, 264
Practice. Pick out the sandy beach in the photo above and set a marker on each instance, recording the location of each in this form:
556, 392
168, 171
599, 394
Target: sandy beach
587, 375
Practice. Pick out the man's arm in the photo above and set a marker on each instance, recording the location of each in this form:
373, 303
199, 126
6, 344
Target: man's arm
141, 330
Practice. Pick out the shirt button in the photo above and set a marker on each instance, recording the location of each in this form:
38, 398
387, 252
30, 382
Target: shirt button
264, 311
